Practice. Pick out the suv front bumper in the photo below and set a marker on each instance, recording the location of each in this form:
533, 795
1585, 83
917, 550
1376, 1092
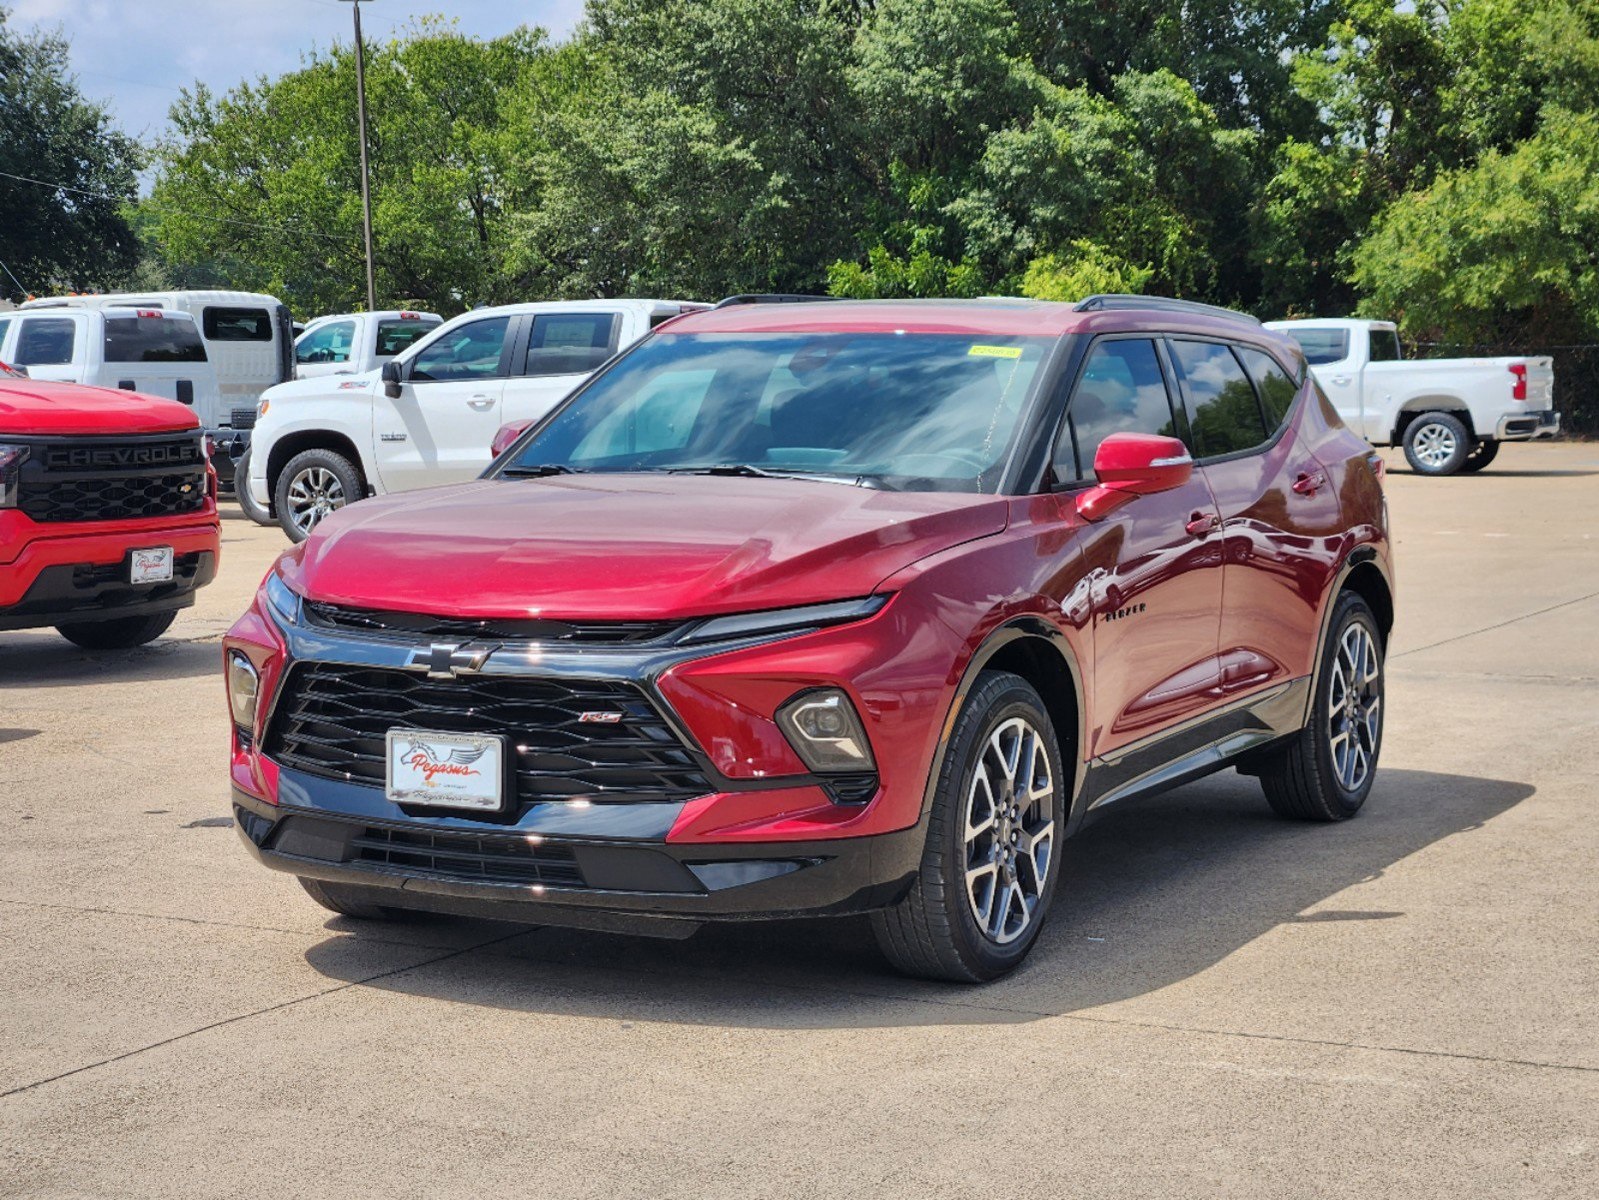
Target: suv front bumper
634, 886
1528, 427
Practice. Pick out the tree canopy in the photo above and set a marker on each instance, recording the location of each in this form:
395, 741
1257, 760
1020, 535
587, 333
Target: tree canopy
1430, 160
65, 175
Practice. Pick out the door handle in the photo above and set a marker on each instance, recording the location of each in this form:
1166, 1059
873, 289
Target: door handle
1341, 380
481, 402
1200, 524
1308, 485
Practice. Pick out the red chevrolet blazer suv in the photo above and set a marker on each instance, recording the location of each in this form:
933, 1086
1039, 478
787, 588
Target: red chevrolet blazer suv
827, 608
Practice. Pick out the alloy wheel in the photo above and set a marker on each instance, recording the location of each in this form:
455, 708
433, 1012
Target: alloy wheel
313, 493
1434, 445
1010, 830
1354, 707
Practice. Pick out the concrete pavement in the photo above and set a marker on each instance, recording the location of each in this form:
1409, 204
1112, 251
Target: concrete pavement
1223, 1004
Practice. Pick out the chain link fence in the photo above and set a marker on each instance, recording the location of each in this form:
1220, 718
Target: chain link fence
1576, 375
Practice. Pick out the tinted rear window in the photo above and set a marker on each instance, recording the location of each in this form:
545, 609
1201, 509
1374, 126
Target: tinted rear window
152, 340
395, 335
1384, 345
569, 343
1322, 346
1223, 412
1277, 390
238, 325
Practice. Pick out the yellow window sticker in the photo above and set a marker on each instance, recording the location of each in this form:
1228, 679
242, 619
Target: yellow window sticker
994, 352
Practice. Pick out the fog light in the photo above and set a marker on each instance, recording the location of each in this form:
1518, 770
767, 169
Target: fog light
244, 684
826, 732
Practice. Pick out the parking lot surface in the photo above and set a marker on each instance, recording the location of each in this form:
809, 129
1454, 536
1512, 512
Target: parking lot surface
1224, 1003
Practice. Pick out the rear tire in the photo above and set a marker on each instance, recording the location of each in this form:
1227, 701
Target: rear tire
311, 485
241, 492
122, 633
1437, 443
350, 902
1480, 455
995, 834
1325, 773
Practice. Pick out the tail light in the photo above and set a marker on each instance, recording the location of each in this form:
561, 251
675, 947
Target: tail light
1518, 390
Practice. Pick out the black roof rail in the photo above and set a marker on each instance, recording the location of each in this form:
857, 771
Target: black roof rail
1101, 303
770, 298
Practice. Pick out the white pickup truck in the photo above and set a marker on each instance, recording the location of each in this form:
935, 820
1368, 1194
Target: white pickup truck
1449, 414
428, 416
354, 343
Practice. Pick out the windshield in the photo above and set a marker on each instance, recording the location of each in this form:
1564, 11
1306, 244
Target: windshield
915, 412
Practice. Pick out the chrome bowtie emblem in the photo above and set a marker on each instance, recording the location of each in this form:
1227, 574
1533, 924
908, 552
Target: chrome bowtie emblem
444, 660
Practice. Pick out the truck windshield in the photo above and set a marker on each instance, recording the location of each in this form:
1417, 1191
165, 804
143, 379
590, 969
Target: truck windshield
1322, 346
914, 412
152, 340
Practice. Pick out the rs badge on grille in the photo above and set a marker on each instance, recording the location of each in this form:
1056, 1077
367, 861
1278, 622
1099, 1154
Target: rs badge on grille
600, 718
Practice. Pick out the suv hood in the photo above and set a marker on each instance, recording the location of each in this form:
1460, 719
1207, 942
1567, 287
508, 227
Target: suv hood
627, 547
34, 406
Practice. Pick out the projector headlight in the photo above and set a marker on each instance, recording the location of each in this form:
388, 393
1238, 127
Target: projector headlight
244, 687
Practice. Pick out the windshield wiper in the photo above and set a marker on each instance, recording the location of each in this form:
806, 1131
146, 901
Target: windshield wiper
541, 470
749, 470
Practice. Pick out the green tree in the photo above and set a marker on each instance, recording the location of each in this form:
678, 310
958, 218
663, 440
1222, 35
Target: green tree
266, 179
1500, 251
70, 230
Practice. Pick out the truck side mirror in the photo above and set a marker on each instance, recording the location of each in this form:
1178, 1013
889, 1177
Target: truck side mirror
392, 377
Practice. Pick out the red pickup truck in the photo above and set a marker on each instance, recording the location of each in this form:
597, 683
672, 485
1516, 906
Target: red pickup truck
108, 513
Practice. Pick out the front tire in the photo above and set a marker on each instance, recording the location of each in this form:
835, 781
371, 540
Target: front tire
1325, 773
992, 857
1437, 443
311, 485
241, 492
1481, 454
121, 633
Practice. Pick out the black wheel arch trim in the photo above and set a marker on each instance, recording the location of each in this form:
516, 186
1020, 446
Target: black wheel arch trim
1027, 626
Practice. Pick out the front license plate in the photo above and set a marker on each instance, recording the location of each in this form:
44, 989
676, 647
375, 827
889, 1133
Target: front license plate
446, 770
150, 566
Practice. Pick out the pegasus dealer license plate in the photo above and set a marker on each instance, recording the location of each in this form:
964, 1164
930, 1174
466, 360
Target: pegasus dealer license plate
446, 770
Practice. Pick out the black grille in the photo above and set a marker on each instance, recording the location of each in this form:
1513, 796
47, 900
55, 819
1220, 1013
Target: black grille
113, 479
467, 856
243, 418
420, 625
332, 720
114, 499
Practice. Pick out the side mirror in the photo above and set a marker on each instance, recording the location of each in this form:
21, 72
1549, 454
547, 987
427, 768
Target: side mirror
505, 435
1134, 464
392, 377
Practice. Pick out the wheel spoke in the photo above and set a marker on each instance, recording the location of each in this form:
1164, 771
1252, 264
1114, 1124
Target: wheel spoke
1009, 825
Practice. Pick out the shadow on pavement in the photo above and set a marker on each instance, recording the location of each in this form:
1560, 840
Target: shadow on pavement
1152, 895
45, 659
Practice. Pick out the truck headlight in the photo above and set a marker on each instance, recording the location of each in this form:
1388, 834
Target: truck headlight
244, 687
825, 731
11, 459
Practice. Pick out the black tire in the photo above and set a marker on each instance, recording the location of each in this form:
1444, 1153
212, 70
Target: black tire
1303, 781
933, 933
351, 902
121, 633
320, 473
1437, 443
241, 493
1482, 453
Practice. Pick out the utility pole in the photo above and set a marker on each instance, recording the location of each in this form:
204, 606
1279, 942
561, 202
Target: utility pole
366, 183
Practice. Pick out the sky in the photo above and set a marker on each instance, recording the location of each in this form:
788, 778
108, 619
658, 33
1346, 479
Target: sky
134, 55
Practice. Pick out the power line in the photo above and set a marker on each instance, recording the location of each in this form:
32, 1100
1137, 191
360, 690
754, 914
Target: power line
331, 237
